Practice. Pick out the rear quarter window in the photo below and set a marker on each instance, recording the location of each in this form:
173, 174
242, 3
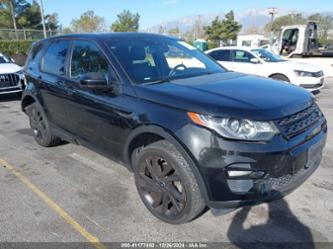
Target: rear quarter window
55, 57
34, 57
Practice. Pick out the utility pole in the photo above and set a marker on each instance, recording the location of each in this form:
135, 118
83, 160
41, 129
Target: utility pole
272, 12
13, 17
43, 20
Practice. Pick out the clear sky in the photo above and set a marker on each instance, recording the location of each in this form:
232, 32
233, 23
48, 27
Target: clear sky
154, 12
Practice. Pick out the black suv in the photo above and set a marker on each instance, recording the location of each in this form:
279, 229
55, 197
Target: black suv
194, 134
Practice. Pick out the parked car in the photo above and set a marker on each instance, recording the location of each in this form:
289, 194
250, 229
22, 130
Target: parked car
262, 62
12, 78
194, 135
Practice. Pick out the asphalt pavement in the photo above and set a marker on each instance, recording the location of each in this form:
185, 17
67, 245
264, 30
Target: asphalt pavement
70, 194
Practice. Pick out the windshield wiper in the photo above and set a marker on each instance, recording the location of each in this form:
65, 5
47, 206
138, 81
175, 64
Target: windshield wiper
162, 80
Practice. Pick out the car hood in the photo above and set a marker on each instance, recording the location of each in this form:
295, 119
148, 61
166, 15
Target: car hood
229, 94
294, 65
9, 68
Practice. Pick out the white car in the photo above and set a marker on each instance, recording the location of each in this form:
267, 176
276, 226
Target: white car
12, 78
261, 62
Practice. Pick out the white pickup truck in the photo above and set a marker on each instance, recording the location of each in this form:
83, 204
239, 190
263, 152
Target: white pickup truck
12, 78
300, 43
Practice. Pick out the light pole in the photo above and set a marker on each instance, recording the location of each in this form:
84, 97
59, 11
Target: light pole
13, 17
43, 20
272, 12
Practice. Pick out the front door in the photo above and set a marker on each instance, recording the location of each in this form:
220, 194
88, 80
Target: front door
98, 118
242, 61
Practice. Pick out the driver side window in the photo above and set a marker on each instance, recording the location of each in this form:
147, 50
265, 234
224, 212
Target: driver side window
87, 58
241, 56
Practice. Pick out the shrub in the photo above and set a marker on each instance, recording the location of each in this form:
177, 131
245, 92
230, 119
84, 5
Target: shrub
212, 44
12, 48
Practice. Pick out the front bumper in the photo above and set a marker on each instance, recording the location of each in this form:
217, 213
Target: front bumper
310, 83
16, 88
284, 164
9, 90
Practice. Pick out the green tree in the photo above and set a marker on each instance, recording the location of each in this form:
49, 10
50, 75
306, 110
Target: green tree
126, 22
325, 24
30, 17
27, 15
174, 31
223, 30
9, 10
290, 19
52, 21
88, 22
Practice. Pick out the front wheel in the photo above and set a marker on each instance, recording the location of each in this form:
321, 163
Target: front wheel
166, 183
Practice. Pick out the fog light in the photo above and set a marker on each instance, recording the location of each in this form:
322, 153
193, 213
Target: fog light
245, 173
239, 173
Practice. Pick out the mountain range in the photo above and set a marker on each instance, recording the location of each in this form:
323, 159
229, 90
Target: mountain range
253, 17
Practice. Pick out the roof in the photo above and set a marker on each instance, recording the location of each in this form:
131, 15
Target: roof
232, 48
103, 36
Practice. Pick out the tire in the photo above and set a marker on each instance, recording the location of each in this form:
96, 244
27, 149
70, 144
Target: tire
279, 77
166, 183
40, 127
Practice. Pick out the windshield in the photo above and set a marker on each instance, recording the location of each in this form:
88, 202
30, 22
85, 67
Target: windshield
266, 55
4, 59
160, 59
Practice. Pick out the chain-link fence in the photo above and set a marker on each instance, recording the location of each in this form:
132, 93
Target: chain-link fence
24, 34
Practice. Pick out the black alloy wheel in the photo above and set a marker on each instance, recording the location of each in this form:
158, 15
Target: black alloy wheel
166, 183
161, 187
40, 127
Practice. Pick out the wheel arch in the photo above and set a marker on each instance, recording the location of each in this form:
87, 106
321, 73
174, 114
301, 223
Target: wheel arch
279, 74
159, 133
27, 100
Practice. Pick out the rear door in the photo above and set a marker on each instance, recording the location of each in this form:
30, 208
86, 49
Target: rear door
52, 82
223, 57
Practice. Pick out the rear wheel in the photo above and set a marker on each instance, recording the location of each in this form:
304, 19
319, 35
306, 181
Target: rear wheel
166, 183
280, 77
40, 128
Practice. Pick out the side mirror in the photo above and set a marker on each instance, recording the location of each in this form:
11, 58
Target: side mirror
254, 61
94, 81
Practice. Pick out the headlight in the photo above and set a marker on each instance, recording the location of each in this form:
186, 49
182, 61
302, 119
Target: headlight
303, 73
240, 129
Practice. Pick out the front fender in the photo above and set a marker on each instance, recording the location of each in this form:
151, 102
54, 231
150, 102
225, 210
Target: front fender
167, 135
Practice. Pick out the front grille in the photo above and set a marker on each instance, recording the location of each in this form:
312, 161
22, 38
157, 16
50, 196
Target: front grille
9, 80
298, 123
318, 74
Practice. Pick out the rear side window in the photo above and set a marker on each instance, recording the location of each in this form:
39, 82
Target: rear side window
87, 58
34, 56
221, 55
55, 57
